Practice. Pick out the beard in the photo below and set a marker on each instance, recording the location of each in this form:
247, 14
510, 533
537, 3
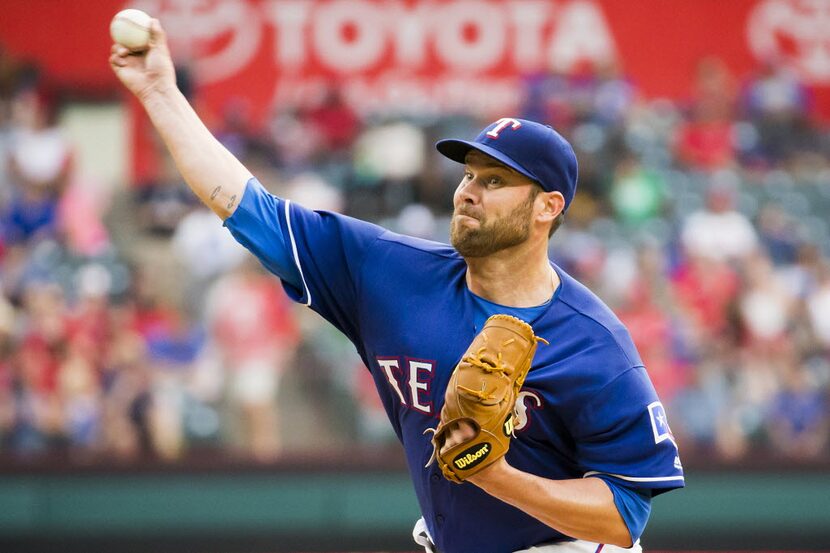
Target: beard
491, 236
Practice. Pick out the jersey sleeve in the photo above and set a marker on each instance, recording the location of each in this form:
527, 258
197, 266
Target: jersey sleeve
622, 433
324, 252
633, 504
256, 225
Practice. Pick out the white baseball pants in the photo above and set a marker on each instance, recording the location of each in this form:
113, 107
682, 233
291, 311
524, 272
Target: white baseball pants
421, 536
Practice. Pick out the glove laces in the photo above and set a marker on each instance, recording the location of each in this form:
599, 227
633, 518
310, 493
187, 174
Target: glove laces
488, 367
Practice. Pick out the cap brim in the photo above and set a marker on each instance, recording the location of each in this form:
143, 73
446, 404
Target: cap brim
457, 150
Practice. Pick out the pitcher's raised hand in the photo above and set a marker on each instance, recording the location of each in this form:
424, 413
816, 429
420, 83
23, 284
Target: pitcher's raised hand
148, 71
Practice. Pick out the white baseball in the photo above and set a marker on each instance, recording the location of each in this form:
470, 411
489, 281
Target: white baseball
131, 28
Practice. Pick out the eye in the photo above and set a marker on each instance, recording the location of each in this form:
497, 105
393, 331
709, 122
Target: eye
468, 175
494, 180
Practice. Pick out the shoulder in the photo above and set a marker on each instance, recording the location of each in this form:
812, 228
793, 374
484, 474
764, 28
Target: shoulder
427, 247
379, 238
591, 320
589, 348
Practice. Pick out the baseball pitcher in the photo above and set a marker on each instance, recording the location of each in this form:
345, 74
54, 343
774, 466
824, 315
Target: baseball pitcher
528, 419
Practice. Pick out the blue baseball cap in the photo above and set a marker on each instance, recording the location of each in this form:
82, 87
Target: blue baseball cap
534, 150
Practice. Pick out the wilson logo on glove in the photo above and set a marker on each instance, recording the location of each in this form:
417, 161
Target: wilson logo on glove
508, 426
482, 393
472, 456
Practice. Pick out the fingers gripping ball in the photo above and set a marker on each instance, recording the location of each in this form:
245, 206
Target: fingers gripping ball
131, 28
482, 392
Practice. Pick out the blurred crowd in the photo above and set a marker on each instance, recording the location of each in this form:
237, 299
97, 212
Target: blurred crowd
133, 326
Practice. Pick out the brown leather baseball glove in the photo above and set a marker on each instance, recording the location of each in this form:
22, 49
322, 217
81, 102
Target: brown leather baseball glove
482, 392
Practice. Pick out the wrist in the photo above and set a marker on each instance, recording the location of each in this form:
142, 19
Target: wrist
157, 92
490, 477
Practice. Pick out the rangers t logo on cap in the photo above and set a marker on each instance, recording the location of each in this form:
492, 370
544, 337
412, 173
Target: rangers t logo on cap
535, 150
502, 124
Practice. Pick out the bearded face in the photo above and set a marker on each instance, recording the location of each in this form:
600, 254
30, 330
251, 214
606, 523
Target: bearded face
492, 234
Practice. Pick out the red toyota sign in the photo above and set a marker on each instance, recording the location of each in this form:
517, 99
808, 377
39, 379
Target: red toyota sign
427, 55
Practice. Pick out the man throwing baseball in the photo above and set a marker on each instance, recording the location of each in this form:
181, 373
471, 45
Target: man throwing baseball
527, 417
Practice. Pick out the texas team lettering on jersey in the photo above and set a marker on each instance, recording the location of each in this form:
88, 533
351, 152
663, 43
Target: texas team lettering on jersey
587, 407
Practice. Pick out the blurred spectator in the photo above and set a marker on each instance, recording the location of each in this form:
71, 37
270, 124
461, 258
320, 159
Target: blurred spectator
615, 94
205, 248
335, 122
803, 275
162, 203
818, 309
727, 293
706, 290
79, 213
765, 306
126, 384
416, 220
705, 141
388, 159
647, 310
580, 253
777, 103
775, 92
715, 89
295, 141
37, 423
798, 423
173, 350
310, 190
39, 161
254, 336
79, 393
719, 232
702, 406
547, 98
235, 131
652, 331
636, 194
206, 251
778, 234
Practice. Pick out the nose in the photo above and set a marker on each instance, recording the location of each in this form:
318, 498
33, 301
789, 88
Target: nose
467, 192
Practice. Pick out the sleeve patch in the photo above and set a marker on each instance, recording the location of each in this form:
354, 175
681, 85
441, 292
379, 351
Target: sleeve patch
659, 423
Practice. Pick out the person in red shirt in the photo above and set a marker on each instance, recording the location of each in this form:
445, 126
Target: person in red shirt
253, 332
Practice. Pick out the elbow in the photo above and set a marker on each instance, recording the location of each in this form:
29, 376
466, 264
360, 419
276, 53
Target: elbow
625, 544
611, 533
614, 532
619, 537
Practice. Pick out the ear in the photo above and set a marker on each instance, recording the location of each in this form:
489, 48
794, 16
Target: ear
552, 204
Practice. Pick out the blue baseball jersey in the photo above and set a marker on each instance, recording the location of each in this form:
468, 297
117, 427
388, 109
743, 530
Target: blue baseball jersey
587, 407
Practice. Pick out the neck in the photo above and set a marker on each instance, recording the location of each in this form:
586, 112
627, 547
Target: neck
517, 277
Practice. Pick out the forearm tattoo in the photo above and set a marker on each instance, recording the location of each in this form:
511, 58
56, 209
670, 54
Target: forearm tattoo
215, 196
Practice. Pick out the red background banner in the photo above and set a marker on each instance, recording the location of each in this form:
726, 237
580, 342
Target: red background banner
420, 56
425, 54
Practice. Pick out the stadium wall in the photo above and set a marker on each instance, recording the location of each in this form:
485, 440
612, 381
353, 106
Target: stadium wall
307, 508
